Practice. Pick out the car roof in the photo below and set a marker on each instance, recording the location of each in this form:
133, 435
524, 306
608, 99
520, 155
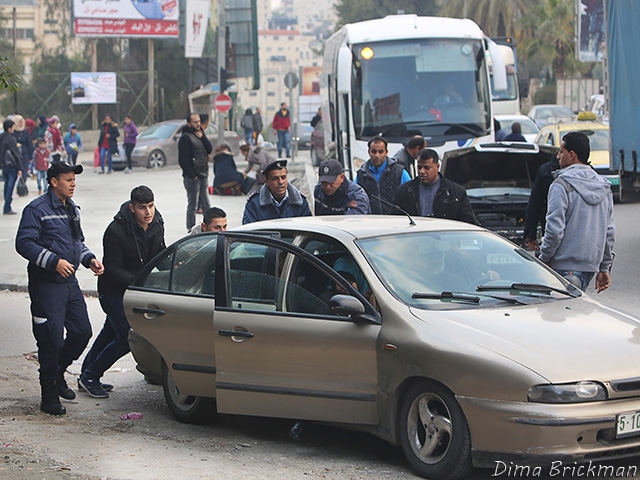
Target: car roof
575, 126
358, 226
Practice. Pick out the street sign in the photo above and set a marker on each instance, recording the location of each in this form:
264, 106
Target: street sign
291, 80
222, 103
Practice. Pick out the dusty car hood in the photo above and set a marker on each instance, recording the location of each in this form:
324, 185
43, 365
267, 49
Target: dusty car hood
603, 344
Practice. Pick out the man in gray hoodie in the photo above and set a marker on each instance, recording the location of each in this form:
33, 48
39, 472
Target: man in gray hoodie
580, 231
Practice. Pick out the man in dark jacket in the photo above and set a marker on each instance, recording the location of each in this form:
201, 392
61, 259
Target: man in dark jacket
194, 149
432, 195
134, 237
407, 155
11, 162
107, 142
337, 195
537, 206
277, 198
51, 238
380, 176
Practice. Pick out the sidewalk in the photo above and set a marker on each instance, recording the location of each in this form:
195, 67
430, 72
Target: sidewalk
100, 197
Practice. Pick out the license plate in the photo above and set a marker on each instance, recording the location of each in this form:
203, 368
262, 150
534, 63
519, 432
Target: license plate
614, 180
628, 424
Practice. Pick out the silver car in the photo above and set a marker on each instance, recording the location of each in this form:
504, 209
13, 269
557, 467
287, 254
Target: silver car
438, 336
157, 145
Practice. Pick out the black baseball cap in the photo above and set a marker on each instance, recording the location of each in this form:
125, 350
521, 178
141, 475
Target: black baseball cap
57, 168
329, 170
275, 165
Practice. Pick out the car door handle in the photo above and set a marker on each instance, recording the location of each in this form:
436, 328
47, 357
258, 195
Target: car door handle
148, 311
235, 333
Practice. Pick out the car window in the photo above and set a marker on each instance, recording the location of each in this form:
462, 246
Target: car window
194, 266
157, 275
158, 131
257, 280
436, 262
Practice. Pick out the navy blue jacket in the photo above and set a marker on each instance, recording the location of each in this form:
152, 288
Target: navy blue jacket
337, 205
260, 206
45, 236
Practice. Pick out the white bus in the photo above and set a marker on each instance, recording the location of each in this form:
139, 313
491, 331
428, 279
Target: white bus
405, 75
506, 102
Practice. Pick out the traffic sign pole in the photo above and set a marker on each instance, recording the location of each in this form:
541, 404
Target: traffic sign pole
291, 81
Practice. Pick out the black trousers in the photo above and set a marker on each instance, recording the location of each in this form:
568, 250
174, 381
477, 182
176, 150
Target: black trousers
56, 307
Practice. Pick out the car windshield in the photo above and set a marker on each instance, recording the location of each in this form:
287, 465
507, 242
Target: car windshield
598, 139
526, 125
418, 267
159, 130
553, 112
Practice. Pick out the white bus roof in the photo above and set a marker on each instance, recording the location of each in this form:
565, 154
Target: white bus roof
394, 27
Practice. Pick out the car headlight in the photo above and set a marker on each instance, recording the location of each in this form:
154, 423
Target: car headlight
140, 149
567, 393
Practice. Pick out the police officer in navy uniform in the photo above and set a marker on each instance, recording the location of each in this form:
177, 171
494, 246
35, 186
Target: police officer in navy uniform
277, 198
50, 237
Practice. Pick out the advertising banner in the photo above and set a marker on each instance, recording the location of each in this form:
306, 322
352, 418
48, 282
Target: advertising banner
126, 18
93, 87
311, 80
590, 30
197, 19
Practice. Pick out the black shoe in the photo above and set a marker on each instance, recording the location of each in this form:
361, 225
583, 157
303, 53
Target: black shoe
50, 401
107, 387
92, 387
296, 430
63, 389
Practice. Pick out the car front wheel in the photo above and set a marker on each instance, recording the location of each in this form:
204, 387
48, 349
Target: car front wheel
186, 408
156, 159
434, 433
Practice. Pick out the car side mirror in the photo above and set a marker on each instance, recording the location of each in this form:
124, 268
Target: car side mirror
352, 307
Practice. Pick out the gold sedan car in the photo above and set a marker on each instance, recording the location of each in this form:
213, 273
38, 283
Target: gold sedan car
441, 337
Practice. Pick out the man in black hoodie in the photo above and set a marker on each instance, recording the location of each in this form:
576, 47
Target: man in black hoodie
135, 235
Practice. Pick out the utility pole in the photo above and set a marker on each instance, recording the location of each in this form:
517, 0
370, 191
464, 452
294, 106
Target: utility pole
15, 54
222, 41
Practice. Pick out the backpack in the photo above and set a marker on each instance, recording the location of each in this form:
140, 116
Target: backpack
247, 122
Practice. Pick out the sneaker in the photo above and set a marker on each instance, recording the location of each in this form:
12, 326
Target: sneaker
101, 172
107, 387
63, 389
10, 212
110, 171
92, 387
127, 170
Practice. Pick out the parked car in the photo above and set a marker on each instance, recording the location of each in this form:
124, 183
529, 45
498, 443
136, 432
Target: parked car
303, 136
498, 178
528, 127
545, 114
439, 336
599, 141
157, 145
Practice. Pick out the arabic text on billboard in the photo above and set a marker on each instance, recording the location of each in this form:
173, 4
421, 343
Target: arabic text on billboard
126, 18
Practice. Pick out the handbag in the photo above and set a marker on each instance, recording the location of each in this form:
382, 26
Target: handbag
22, 188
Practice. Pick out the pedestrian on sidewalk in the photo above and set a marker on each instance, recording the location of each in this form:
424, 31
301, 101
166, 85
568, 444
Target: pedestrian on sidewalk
11, 162
282, 125
50, 237
135, 236
107, 142
130, 139
72, 143
41, 162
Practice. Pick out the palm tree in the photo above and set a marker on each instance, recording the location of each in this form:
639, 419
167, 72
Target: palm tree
551, 24
496, 18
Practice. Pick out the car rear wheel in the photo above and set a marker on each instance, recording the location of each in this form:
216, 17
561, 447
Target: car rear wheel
156, 159
186, 408
434, 434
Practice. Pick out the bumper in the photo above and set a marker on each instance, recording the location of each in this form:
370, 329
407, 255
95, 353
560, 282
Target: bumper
542, 433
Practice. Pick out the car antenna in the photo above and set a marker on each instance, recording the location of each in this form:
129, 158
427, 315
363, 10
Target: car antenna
393, 205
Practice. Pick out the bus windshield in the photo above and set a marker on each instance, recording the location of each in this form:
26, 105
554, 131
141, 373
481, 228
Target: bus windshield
437, 88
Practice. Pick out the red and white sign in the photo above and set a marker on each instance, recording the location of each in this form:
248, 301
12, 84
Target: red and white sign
126, 18
223, 102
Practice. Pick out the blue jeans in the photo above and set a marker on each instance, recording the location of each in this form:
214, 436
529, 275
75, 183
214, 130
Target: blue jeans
284, 141
111, 344
248, 136
56, 307
43, 184
584, 277
197, 194
10, 175
107, 152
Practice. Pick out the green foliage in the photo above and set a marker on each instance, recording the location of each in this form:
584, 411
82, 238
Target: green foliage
546, 94
8, 79
350, 11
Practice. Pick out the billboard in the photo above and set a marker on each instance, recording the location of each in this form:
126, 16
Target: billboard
197, 19
590, 24
126, 18
93, 87
311, 80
